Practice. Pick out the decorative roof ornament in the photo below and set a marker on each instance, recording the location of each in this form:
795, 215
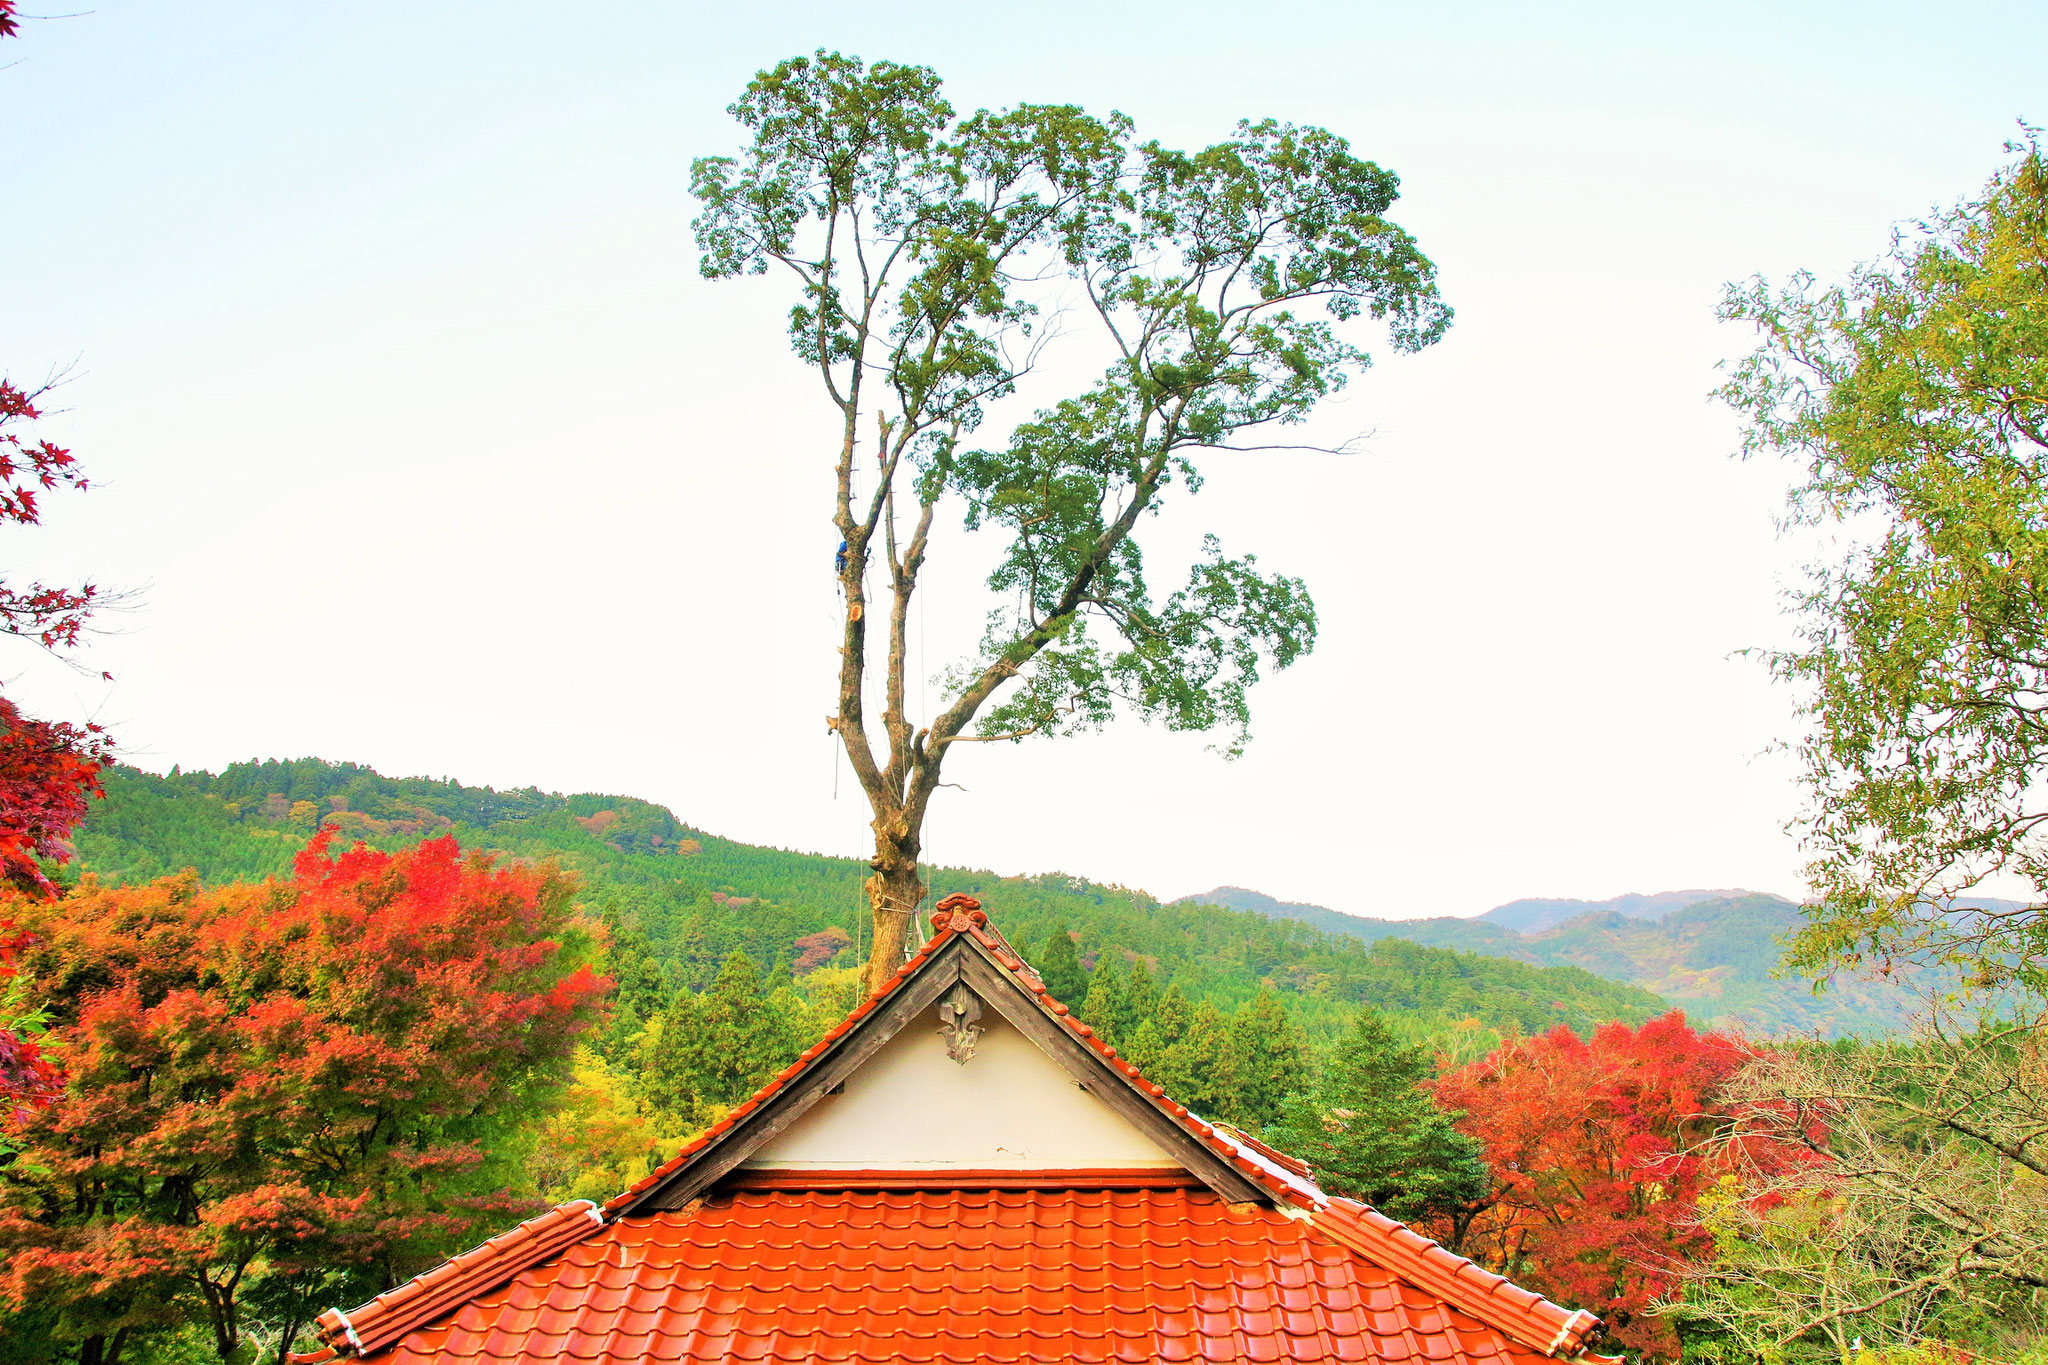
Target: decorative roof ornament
958, 912
958, 1013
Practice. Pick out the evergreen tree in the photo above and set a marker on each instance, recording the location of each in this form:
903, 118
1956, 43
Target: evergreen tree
1059, 964
695, 960
1103, 1009
1146, 1049
665, 1075
1269, 1059
642, 991
1198, 1070
1141, 998
718, 1048
1372, 1132
1174, 1016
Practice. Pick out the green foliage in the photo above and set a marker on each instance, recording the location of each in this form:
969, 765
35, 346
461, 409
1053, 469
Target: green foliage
1371, 1131
1103, 1010
679, 908
1915, 396
1268, 1061
714, 1050
1198, 1068
1059, 965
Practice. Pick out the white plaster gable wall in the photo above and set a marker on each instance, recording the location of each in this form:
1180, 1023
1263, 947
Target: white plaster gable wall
911, 1107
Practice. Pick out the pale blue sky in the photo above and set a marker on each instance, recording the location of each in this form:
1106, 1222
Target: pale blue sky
425, 446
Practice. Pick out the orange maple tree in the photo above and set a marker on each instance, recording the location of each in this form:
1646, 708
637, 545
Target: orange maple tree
270, 1082
1596, 1149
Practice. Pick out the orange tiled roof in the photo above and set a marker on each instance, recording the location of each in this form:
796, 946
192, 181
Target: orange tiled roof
959, 1276
567, 1284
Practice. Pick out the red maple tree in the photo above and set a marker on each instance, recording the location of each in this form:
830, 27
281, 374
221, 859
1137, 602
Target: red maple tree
49, 770
1595, 1147
266, 1082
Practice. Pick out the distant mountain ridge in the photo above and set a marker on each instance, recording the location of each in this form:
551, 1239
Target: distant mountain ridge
1536, 915
1711, 952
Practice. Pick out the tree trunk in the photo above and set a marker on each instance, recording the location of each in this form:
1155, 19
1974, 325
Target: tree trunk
894, 892
285, 1338
102, 1350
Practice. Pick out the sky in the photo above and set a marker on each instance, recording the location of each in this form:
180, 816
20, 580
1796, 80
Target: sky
418, 441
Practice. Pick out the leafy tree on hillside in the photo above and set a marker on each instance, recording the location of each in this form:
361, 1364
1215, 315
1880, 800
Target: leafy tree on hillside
1141, 997
1268, 1060
717, 1048
1199, 1068
1104, 1010
1370, 1128
1059, 966
922, 247
1916, 397
1173, 1015
282, 1095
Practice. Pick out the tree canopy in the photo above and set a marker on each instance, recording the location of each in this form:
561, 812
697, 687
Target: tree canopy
1914, 396
926, 250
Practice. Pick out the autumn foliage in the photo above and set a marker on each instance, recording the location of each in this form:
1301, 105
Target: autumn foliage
29, 467
283, 1095
49, 770
1595, 1147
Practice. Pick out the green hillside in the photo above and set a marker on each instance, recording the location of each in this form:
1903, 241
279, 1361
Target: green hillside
1714, 957
691, 898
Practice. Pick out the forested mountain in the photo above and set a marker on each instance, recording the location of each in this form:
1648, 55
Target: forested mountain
1711, 952
687, 898
1535, 915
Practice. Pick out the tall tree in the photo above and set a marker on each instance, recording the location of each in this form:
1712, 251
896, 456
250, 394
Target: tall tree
1059, 966
1372, 1130
717, 1048
266, 1082
49, 770
1198, 1067
1141, 996
1268, 1060
923, 248
1915, 398
1103, 1010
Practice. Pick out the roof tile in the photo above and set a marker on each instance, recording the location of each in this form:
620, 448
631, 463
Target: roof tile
925, 1276
994, 1275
